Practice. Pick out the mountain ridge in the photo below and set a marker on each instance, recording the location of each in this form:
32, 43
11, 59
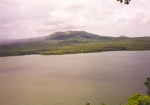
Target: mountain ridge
72, 42
67, 35
60, 35
76, 35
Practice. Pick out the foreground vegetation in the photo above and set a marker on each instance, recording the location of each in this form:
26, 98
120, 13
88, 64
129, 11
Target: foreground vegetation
147, 83
138, 99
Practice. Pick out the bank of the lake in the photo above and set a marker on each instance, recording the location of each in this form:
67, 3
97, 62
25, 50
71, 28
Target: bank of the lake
73, 79
60, 47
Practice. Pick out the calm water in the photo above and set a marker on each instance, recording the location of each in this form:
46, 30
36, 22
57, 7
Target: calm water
73, 79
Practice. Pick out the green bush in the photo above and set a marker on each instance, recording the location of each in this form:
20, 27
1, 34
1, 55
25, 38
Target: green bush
137, 99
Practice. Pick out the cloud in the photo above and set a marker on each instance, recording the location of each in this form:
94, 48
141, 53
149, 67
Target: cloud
31, 18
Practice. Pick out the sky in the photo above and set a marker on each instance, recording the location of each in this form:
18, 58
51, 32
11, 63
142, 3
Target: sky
35, 18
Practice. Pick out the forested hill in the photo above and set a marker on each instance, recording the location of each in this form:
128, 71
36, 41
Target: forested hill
77, 35
70, 42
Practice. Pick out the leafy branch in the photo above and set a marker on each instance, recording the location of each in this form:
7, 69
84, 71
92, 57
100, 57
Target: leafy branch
124, 1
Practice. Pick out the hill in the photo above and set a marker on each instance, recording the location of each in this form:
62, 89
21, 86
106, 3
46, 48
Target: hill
69, 36
70, 42
77, 35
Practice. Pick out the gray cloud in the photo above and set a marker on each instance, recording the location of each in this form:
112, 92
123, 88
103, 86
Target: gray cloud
31, 18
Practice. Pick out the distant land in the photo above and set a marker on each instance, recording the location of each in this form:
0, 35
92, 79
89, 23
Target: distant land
72, 42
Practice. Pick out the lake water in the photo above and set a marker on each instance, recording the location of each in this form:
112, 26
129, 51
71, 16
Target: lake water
73, 79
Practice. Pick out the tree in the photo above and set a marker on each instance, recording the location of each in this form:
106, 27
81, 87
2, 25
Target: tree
147, 83
124, 1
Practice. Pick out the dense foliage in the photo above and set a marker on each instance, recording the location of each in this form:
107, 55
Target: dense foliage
137, 99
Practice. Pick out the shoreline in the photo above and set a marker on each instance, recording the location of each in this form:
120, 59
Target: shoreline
73, 53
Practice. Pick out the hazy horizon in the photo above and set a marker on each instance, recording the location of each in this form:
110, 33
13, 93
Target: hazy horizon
36, 18
34, 37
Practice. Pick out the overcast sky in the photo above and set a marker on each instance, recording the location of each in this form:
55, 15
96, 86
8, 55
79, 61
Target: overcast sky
34, 18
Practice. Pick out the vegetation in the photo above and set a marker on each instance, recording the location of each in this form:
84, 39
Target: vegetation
124, 1
123, 45
72, 42
137, 99
147, 83
82, 42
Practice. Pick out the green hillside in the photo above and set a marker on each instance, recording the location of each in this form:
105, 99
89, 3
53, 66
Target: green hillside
71, 42
77, 35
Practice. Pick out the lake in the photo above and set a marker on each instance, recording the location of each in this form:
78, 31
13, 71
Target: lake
73, 79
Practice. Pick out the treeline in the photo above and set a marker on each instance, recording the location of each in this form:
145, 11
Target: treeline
56, 47
121, 45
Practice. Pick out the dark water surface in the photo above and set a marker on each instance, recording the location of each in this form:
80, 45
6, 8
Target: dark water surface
73, 79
